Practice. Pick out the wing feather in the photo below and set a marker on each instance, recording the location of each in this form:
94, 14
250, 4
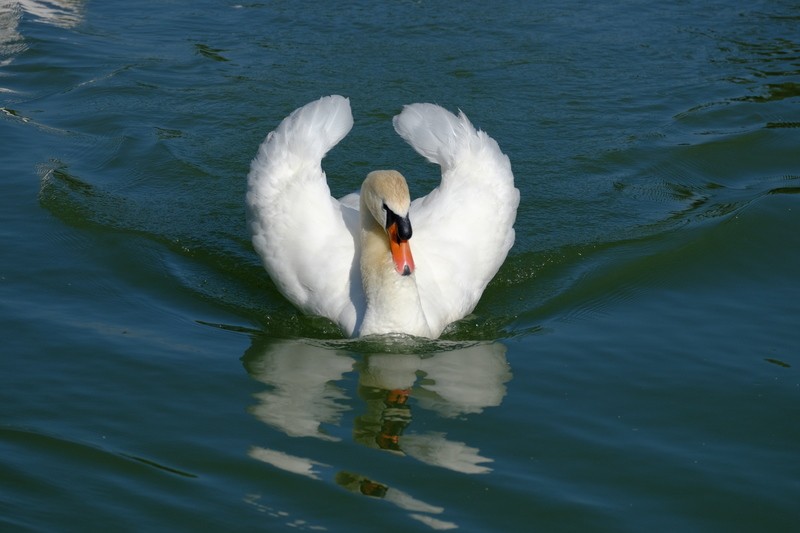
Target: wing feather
297, 228
463, 229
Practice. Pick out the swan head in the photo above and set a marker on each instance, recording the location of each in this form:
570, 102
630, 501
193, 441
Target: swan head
385, 194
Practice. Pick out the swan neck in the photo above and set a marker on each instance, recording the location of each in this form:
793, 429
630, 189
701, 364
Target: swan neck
393, 302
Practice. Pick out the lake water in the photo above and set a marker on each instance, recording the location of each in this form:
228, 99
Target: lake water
633, 366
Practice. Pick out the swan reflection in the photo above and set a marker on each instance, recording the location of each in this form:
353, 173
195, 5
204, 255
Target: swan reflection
304, 397
375, 489
356, 483
290, 463
302, 394
307, 396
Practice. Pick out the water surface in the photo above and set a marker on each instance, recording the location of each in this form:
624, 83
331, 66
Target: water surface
633, 365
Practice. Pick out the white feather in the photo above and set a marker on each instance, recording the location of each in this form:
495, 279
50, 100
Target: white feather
463, 229
298, 229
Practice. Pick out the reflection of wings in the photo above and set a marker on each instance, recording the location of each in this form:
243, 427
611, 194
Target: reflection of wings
434, 449
466, 380
303, 395
291, 463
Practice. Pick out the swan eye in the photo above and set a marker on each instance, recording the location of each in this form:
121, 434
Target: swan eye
390, 216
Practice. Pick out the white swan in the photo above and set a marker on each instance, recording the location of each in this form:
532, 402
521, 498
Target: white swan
350, 260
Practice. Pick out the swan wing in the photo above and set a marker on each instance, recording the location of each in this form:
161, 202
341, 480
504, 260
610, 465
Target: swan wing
305, 238
463, 229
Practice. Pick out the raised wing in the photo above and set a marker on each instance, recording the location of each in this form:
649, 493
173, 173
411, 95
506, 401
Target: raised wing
463, 229
298, 229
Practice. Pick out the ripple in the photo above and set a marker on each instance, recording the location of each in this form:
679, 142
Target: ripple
36, 446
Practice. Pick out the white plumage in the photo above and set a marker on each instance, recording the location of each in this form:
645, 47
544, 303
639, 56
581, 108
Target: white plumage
326, 255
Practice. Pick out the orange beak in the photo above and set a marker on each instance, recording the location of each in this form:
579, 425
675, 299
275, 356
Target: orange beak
401, 252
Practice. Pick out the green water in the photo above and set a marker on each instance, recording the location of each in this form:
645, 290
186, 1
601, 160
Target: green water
633, 366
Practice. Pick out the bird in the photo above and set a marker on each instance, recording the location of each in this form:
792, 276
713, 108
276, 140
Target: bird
374, 262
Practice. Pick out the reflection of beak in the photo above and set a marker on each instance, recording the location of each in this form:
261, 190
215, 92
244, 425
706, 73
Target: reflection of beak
401, 251
397, 397
396, 417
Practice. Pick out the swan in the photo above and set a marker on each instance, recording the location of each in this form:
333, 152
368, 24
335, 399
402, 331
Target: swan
375, 262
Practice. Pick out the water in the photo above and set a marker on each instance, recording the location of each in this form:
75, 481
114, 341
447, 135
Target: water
633, 366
